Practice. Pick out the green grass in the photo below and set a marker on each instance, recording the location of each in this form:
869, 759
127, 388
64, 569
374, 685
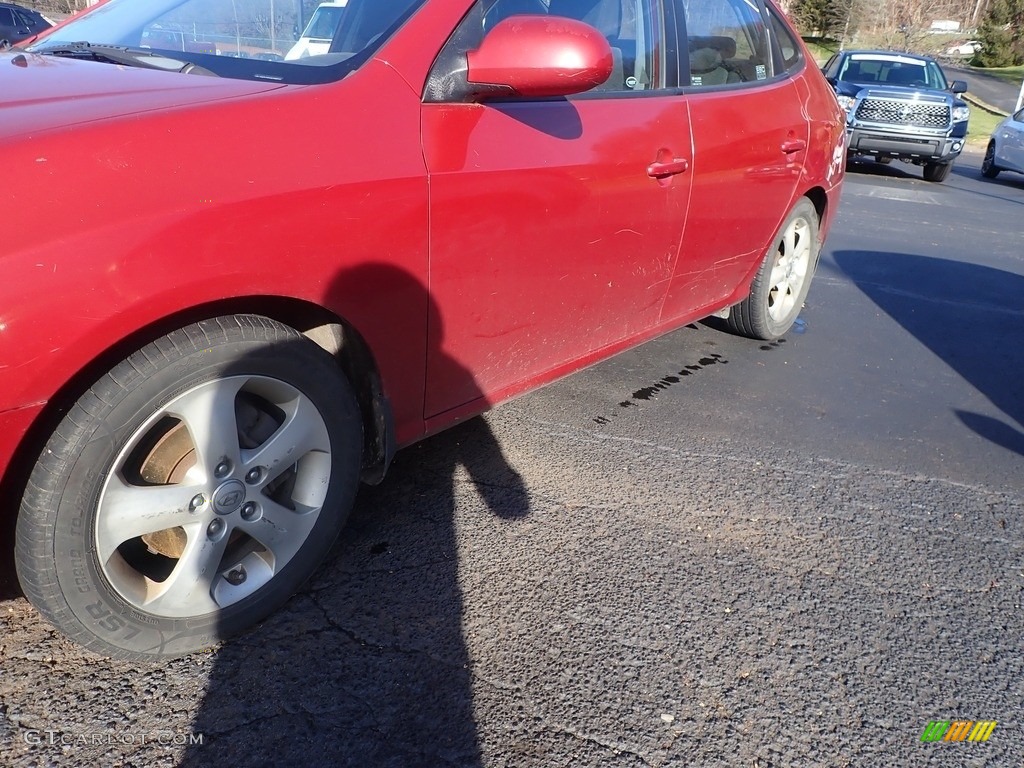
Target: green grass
1009, 74
980, 126
821, 48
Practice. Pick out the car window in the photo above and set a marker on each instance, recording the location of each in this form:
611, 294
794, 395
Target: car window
6, 17
788, 47
727, 42
248, 39
831, 65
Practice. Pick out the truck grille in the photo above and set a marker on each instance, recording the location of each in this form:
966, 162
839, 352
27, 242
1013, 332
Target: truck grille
902, 112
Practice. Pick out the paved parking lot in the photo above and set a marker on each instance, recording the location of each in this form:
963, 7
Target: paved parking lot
708, 551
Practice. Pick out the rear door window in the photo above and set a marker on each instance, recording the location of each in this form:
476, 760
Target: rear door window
727, 42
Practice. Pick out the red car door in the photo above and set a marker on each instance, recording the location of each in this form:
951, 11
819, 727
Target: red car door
550, 237
750, 137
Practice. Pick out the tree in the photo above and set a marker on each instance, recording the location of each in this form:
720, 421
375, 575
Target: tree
821, 18
1002, 34
906, 24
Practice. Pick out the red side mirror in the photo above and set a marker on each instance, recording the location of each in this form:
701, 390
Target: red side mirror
541, 56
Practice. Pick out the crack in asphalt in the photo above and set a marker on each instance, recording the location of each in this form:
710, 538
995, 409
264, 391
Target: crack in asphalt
495, 683
618, 748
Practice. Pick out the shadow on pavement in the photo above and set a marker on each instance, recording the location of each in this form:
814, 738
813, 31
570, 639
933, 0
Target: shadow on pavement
367, 665
1007, 181
9, 587
894, 170
966, 167
964, 313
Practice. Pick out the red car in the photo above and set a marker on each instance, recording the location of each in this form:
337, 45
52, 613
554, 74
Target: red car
234, 285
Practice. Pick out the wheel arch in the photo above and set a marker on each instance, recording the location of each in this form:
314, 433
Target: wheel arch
819, 199
325, 328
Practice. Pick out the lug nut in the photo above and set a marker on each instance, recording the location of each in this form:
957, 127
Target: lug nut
235, 576
215, 528
253, 475
197, 501
250, 510
223, 469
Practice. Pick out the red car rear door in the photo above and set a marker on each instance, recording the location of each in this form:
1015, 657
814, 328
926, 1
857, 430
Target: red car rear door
750, 137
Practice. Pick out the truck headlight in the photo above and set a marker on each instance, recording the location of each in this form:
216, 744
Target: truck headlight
846, 102
960, 114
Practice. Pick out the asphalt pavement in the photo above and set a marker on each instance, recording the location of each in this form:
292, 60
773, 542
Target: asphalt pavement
708, 551
986, 88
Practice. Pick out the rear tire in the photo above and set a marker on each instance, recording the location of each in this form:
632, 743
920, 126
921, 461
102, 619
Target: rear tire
190, 491
937, 171
989, 169
781, 283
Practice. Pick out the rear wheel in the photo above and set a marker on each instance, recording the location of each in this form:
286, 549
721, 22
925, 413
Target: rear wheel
937, 171
989, 169
191, 490
781, 284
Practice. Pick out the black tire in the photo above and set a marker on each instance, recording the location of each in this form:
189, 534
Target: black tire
773, 305
242, 406
937, 171
989, 169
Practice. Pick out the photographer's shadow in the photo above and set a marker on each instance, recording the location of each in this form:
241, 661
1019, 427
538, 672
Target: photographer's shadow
368, 666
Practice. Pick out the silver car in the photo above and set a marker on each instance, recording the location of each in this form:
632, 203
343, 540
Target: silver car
1005, 151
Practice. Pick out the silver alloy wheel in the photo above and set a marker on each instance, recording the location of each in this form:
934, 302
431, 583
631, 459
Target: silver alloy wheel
783, 278
791, 268
212, 496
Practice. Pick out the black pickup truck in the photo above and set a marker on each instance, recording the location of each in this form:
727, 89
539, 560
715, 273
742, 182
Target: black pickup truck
900, 106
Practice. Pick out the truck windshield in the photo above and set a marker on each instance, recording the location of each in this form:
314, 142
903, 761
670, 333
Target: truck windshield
893, 70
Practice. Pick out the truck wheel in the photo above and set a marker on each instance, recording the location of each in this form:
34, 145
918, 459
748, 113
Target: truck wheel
191, 490
937, 171
989, 169
781, 283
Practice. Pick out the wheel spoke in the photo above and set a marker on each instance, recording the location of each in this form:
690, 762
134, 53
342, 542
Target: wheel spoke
281, 530
209, 415
783, 299
778, 274
800, 265
303, 431
127, 511
187, 591
789, 243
